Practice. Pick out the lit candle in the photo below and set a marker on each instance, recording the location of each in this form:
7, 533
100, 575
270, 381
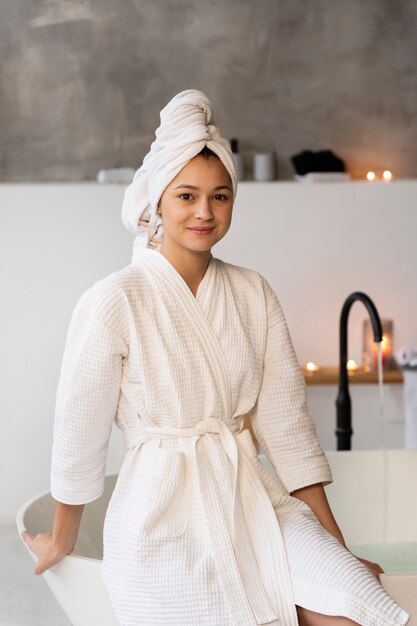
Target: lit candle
351, 365
385, 349
387, 176
312, 367
370, 348
371, 176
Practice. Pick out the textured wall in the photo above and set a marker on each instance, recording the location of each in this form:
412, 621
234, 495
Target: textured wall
82, 81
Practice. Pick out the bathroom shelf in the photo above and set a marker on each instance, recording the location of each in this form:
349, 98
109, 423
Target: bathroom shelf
330, 376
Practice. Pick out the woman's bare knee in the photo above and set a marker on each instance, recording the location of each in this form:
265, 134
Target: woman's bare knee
311, 618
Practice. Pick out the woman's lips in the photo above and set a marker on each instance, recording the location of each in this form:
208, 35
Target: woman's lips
201, 231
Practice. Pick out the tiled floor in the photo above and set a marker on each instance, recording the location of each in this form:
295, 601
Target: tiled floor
25, 599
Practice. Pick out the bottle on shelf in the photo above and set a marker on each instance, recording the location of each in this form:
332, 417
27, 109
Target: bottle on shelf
238, 159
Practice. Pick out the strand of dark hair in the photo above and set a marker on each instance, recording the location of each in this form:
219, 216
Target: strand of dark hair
207, 153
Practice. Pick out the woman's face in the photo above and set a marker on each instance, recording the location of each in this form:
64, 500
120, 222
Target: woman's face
196, 207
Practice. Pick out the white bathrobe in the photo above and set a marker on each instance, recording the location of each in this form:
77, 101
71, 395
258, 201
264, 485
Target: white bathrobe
197, 532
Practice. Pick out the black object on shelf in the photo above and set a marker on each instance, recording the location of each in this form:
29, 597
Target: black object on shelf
234, 145
321, 161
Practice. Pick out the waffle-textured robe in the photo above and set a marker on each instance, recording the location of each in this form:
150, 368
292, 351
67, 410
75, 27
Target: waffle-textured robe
197, 532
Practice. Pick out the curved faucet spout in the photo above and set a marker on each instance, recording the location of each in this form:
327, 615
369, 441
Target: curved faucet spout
343, 404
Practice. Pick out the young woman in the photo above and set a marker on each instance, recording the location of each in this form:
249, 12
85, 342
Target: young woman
178, 347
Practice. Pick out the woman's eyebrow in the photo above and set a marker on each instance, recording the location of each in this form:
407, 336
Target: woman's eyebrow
193, 187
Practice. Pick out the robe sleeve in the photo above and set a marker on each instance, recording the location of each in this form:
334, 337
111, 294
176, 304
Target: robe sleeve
280, 418
86, 405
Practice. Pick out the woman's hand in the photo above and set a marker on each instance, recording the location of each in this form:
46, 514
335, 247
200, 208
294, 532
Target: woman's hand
43, 547
50, 548
375, 569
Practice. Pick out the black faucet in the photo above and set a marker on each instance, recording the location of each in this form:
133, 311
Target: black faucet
343, 405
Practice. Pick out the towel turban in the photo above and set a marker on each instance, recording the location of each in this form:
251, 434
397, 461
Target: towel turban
187, 125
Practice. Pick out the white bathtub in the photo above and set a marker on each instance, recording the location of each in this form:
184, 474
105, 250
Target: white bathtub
372, 497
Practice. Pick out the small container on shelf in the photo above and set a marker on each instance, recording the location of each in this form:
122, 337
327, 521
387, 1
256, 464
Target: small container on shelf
264, 166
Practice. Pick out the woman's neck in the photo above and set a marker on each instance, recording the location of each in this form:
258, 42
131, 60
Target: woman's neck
190, 264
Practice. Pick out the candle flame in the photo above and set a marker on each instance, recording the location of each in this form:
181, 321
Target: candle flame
371, 176
351, 365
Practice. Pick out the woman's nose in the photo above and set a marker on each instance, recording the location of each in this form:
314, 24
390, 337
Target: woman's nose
203, 209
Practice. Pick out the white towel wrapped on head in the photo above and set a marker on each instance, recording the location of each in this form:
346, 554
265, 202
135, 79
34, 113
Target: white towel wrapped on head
187, 125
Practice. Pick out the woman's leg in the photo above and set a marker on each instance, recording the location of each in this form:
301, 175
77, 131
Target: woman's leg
311, 618
326, 578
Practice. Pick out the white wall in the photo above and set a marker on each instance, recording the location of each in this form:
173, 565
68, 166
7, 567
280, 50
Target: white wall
316, 244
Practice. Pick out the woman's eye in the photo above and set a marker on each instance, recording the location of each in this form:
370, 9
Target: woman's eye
218, 196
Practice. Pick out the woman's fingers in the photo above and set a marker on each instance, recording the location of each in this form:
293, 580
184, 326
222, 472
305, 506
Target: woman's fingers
33, 545
41, 546
375, 569
37, 544
28, 539
42, 565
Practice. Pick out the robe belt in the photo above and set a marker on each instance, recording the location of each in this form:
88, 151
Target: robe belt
140, 434
243, 584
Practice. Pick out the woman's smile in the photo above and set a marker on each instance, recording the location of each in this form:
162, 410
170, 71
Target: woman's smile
201, 230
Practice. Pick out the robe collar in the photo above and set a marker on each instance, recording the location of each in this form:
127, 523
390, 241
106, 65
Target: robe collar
204, 288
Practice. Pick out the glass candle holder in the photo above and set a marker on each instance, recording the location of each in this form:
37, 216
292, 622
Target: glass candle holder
370, 348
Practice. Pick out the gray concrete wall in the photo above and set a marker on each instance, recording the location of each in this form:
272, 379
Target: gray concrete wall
82, 81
